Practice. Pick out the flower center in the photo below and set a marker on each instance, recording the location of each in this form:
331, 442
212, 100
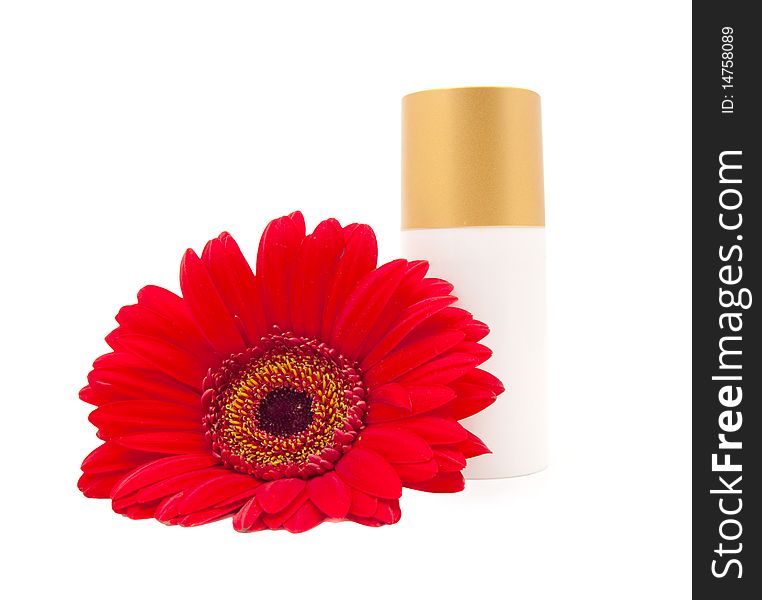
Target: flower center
289, 407
284, 411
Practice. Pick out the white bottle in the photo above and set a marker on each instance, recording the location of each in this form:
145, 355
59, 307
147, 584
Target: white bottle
473, 206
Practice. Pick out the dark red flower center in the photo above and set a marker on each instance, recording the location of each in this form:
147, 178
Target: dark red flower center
284, 411
289, 407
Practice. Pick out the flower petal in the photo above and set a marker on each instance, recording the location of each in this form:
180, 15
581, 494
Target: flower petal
112, 457
442, 483
364, 305
216, 490
115, 382
410, 356
472, 446
416, 472
407, 322
313, 275
207, 306
178, 483
161, 469
401, 299
165, 442
276, 520
247, 516
429, 397
369, 472
98, 485
442, 370
391, 394
382, 413
363, 505
474, 330
449, 459
395, 444
236, 284
278, 250
133, 416
330, 494
175, 310
138, 318
470, 400
276, 495
359, 257
166, 357
388, 512
304, 519
436, 430
209, 515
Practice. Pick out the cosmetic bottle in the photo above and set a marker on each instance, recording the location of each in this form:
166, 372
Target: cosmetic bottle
473, 206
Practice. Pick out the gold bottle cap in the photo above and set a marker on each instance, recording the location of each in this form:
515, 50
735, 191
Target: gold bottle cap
472, 157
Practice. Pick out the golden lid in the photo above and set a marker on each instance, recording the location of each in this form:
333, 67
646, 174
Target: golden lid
472, 157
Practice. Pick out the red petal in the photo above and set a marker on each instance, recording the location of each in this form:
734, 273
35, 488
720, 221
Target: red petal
330, 494
166, 357
98, 485
276, 495
167, 508
297, 218
178, 483
364, 306
236, 284
245, 518
412, 472
369, 472
314, 271
436, 430
139, 319
410, 356
431, 287
392, 394
359, 258
388, 512
474, 330
472, 446
208, 515
112, 457
444, 482
400, 300
383, 413
132, 416
442, 370
216, 490
470, 400
207, 306
363, 505
274, 521
278, 250
141, 511
428, 397
478, 350
484, 379
160, 469
165, 442
407, 322
304, 519
449, 459
127, 383
395, 444
178, 315
368, 522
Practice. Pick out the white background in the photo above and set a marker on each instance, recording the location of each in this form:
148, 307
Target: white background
132, 130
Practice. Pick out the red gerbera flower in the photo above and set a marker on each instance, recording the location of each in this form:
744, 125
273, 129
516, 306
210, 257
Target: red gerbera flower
316, 389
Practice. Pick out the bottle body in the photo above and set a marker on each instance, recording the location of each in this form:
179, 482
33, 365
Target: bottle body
499, 276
